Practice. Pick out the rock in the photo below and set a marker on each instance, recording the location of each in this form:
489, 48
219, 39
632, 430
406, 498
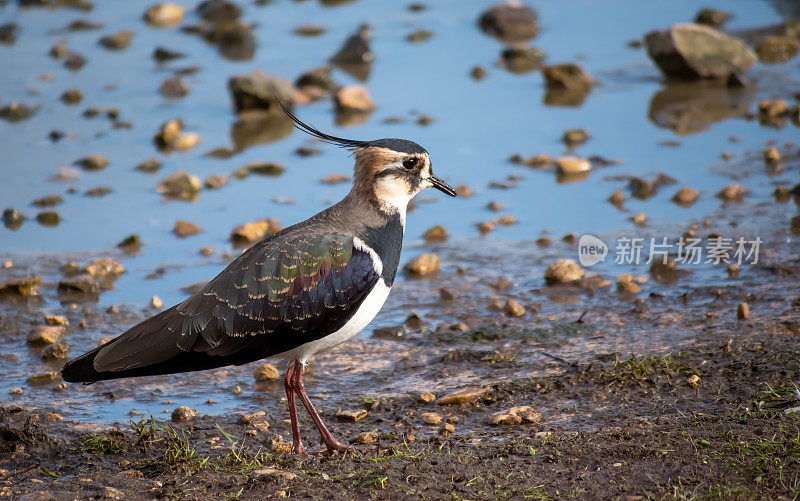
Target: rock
54, 351
394, 332
435, 234
770, 111
164, 15
513, 309
520, 58
478, 73
81, 284
93, 162
446, 429
98, 191
309, 30
187, 141
543, 242
217, 11
424, 265
639, 219
306, 151
367, 437
184, 413
17, 112
74, 61
180, 185
266, 372
685, 197
732, 193
72, 96
112, 493
794, 225
355, 50
215, 181
663, 271
150, 165
485, 227
712, 17
575, 136
626, 285
515, 415
117, 41
315, 83
48, 218
570, 166
733, 270
776, 50
56, 320
465, 396
352, 416
430, 418
272, 473
45, 334
162, 54
695, 51
353, 99
105, 268
335, 179
510, 21
185, 229
206, 251
771, 155
426, 397
48, 201
563, 271
743, 311
254, 231
131, 243
258, 91
8, 33
44, 378
260, 168
568, 76
419, 35
617, 198
16, 391
464, 191
174, 87
13, 218
693, 380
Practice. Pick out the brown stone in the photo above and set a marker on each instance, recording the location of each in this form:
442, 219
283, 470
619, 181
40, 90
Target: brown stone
45, 334
164, 14
431, 418
185, 229
515, 415
685, 196
464, 396
743, 311
352, 415
254, 231
424, 265
266, 372
435, 234
513, 309
563, 271
353, 98
184, 413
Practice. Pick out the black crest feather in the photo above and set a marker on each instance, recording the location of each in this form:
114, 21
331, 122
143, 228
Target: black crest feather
308, 129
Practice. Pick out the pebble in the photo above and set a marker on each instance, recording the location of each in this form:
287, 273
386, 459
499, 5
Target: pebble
478, 73
164, 15
419, 35
186, 141
56, 320
185, 228
131, 243
13, 218
510, 21
261, 168
74, 61
626, 285
355, 52
44, 378
732, 193
575, 136
777, 49
48, 218
307, 151
72, 96
464, 396
45, 334
435, 234
513, 308
685, 197
92, 162
162, 54
617, 198
335, 179
353, 98
180, 185
572, 165
543, 242
520, 58
426, 397
309, 30
563, 271
215, 181
266, 372
254, 231
117, 41
367, 437
772, 108
82, 284
48, 201
431, 418
206, 251
447, 428
771, 155
16, 391
257, 91
156, 302
568, 76
174, 87
55, 351
150, 165
104, 268
8, 33
184, 413
515, 415
112, 493
464, 191
485, 227
98, 191
273, 473
424, 265
168, 133
693, 380
733, 270
639, 219
743, 311
353, 415
712, 17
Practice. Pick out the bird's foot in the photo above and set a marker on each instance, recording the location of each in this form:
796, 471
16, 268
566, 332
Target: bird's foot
298, 448
331, 448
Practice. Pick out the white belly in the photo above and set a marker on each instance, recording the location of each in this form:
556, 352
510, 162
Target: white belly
370, 307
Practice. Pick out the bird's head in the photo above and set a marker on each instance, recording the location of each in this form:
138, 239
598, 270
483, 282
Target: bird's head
390, 171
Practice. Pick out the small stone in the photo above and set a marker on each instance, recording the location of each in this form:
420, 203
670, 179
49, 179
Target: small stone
563, 271
352, 416
306, 151
335, 179
48, 201
56, 320
575, 136
164, 15
772, 108
13, 218
639, 219
733, 270
48, 218
98, 191
185, 229
510, 21
131, 243
447, 428
45, 334
431, 418
685, 197
424, 265
617, 198
44, 378
743, 311
693, 380
777, 49
393, 332
353, 99
543, 242
257, 91
568, 76
54, 351
464, 191
520, 58
513, 309
309, 30
355, 52
478, 73
507, 220
626, 285
426, 397
168, 133
179, 185
265, 168
74, 61
184, 413
156, 302
174, 87
254, 231
82, 284
72, 96
112, 493
117, 41
732, 193
215, 181
435, 234
712, 17
150, 165
367, 437
206, 251
495, 206
16, 391
93, 162
162, 54
273, 474
515, 415
485, 227
419, 35
104, 268
187, 141
8, 33
266, 372
771, 155
465, 396
568, 166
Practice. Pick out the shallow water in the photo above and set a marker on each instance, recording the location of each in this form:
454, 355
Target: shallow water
476, 127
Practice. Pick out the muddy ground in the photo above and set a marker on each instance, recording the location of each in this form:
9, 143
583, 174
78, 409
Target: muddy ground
655, 436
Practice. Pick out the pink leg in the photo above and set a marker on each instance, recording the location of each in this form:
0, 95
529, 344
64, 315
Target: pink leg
297, 443
297, 382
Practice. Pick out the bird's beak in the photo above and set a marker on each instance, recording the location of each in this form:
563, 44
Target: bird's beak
442, 186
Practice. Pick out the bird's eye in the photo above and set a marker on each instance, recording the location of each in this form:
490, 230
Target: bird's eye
410, 163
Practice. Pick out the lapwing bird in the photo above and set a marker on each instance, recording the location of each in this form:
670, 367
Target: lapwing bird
303, 290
